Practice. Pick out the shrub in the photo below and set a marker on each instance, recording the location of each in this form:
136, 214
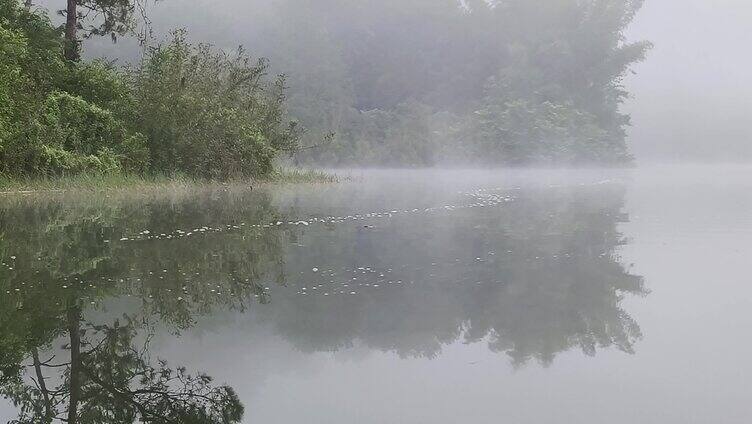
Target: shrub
189, 110
57, 117
210, 114
82, 137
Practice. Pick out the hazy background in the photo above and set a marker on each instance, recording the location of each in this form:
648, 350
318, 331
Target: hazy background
692, 98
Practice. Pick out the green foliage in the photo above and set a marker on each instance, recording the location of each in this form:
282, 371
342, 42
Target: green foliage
401, 84
377, 137
187, 110
59, 118
12, 48
24, 72
82, 137
519, 132
210, 114
490, 78
556, 98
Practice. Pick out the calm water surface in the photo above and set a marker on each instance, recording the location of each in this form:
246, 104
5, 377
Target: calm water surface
397, 297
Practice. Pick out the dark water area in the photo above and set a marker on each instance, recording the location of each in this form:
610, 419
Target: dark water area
396, 296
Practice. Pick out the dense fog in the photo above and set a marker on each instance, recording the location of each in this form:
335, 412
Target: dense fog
693, 96
370, 211
398, 81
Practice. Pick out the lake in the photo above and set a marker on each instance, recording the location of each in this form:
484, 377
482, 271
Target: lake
425, 296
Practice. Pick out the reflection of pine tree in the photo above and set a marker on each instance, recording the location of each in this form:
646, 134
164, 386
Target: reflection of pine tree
64, 255
108, 379
535, 277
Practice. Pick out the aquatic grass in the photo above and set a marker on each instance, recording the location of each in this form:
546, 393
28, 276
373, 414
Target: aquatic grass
134, 182
90, 182
299, 176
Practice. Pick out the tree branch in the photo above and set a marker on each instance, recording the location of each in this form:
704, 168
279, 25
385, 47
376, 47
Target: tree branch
42, 386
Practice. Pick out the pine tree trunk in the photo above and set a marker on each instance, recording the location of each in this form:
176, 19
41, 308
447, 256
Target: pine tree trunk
71, 26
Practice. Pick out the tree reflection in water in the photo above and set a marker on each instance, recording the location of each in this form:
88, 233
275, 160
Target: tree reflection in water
64, 262
532, 277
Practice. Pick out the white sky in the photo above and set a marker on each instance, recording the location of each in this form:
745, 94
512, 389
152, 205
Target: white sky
693, 96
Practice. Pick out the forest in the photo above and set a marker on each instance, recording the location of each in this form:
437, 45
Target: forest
423, 83
325, 83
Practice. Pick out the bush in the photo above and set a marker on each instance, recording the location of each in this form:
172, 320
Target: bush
209, 114
56, 117
82, 137
12, 48
186, 110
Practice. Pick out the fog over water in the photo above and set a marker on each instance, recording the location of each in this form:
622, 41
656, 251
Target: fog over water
415, 296
490, 242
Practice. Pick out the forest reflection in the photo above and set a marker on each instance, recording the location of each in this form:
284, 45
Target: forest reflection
87, 281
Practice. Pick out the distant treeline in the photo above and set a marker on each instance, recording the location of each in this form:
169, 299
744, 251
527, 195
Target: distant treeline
380, 83
422, 82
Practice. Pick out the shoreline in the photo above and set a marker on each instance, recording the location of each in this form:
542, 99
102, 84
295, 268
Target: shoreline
124, 182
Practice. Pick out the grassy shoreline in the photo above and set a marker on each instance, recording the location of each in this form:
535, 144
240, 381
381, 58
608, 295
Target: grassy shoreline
115, 182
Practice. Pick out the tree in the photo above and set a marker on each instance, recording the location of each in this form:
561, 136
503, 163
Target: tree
194, 110
472, 64
209, 113
104, 17
55, 118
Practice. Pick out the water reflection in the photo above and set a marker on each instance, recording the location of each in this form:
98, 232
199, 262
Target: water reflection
59, 265
89, 280
535, 276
